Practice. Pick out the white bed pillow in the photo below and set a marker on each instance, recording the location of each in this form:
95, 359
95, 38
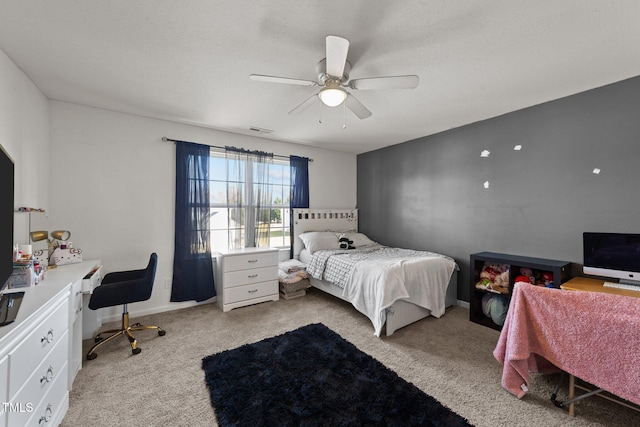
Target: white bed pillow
320, 240
359, 240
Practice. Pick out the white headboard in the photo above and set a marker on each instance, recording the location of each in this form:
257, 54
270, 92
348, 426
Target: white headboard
321, 220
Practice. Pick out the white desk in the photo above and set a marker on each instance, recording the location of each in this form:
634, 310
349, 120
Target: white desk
41, 351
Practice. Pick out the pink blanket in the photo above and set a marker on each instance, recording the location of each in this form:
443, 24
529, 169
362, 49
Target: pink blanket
594, 336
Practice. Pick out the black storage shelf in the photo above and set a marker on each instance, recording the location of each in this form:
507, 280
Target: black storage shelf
560, 270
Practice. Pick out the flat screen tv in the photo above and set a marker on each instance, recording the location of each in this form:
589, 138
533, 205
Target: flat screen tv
6, 216
612, 255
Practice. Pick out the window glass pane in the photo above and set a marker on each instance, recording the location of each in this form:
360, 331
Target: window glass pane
276, 174
218, 192
219, 240
236, 193
277, 197
219, 219
217, 168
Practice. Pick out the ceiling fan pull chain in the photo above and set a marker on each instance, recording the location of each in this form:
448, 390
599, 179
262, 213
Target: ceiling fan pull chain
344, 115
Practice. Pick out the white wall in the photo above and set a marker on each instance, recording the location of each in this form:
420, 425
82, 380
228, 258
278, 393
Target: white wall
112, 186
24, 133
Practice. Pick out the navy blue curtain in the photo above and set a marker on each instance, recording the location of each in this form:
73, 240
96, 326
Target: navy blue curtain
299, 188
192, 265
299, 182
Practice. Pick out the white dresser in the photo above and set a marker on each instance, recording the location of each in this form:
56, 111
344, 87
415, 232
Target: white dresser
39, 352
246, 276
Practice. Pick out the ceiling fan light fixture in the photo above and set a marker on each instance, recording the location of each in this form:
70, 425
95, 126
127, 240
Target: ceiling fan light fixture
332, 95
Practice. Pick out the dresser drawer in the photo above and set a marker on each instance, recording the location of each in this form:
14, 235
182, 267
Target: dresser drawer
36, 346
246, 277
4, 377
246, 292
92, 280
50, 410
75, 304
246, 261
4, 397
43, 377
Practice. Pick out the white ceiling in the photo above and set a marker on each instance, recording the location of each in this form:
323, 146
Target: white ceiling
189, 61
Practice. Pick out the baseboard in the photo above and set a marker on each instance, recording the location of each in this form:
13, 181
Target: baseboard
463, 304
160, 309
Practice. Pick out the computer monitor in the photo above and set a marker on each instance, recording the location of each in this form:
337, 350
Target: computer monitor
6, 216
612, 255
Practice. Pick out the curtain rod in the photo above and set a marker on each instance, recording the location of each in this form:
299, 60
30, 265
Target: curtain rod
165, 139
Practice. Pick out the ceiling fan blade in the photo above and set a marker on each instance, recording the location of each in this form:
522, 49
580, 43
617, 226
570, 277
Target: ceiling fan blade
337, 49
285, 80
356, 107
391, 82
304, 105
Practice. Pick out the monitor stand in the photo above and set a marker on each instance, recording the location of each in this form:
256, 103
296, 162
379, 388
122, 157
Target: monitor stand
630, 282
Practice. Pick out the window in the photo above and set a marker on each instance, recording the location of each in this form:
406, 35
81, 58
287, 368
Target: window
231, 197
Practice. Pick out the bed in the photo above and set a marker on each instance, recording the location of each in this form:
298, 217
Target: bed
386, 284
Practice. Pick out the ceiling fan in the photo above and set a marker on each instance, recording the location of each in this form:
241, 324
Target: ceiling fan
333, 77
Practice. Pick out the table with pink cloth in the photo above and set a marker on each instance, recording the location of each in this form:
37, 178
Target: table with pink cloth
592, 336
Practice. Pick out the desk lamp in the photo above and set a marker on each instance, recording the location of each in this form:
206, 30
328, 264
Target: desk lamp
62, 235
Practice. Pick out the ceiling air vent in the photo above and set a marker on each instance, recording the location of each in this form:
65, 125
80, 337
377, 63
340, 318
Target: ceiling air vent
259, 130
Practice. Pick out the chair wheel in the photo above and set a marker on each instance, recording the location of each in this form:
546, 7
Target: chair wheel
92, 356
136, 350
162, 332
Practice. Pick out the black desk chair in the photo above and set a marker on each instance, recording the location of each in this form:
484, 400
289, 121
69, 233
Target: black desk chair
122, 288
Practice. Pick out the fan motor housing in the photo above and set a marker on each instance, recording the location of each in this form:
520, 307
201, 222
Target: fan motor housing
321, 68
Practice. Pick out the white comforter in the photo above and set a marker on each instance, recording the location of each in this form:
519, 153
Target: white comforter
372, 280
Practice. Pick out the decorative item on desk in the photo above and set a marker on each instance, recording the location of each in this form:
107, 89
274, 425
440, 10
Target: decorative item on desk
61, 236
27, 251
59, 250
66, 256
22, 276
37, 236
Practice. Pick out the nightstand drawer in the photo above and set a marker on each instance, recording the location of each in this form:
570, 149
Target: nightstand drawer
246, 292
246, 277
255, 260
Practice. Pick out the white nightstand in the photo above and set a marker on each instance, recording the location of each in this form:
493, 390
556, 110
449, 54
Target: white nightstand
246, 276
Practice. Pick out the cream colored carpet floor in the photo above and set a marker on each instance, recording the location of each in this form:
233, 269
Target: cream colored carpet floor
448, 358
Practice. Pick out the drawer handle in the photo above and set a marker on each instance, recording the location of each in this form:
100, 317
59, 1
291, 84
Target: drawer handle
48, 377
252, 260
253, 291
48, 338
47, 415
253, 276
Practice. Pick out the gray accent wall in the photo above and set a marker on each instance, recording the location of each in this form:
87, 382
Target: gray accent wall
429, 193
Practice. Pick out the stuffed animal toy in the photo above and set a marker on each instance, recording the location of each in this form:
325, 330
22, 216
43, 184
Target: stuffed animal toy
490, 271
528, 273
547, 279
501, 283
523, 279
484, 284
495, 307
345, 243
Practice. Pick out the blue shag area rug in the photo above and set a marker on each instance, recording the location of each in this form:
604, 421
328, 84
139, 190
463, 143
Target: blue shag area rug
313, 377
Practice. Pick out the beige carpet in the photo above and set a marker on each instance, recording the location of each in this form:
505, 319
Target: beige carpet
449, 358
